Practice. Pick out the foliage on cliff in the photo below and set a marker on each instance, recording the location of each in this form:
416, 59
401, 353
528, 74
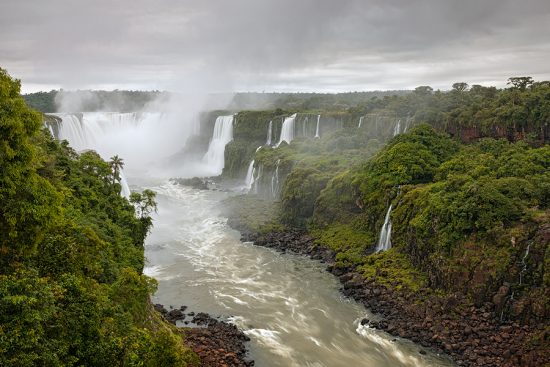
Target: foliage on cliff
72, 290
465, 208
464, 215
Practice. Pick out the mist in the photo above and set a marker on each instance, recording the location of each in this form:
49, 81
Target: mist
146, 139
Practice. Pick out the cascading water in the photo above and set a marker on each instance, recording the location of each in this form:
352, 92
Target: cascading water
360, 121
124, 184
256, 176
407, 124
275, 181
249, 181
223, 134
304, 126
269, 133
108, 133
287, 131
384, 242
397, 129
524, 269
317, 127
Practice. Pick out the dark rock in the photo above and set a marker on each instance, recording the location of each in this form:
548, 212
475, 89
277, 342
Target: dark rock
195, 182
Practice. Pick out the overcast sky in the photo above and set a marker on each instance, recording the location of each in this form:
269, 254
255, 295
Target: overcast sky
272, 45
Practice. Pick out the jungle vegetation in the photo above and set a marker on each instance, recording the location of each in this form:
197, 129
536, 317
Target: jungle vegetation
72, 291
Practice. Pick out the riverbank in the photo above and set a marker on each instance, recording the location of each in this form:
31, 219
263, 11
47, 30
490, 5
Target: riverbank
217, 343
450, 324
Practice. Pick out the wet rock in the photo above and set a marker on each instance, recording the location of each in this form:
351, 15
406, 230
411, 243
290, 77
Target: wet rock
195, 182
217, 343
468, 332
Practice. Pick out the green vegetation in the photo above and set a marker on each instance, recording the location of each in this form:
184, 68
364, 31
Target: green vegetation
72, 290
468, 183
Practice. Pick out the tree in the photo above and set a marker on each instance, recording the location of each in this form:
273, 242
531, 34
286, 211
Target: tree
520, 82
460, 87
116, 164
423, 90
144, 202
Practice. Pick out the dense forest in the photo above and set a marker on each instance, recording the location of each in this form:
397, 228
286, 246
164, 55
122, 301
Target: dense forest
466, 189
72, 291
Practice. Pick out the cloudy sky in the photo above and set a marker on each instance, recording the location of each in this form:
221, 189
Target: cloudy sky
272, 45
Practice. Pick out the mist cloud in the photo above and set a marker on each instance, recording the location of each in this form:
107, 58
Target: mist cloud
282, 45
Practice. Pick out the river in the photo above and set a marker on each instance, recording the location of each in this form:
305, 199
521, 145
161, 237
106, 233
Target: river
287, 304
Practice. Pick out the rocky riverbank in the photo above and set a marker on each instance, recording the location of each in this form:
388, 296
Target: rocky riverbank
472, 336
217, 343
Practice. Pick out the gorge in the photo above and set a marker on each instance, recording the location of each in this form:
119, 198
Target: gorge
434, 230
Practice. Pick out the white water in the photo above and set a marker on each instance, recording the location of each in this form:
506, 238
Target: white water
109, 132
384, 242
360, 121
249, 180
524, 269
287, 131
275, 181
269, 133
223, 134
317, 127
288, 305
141, 139
397, 129
124, 184
407, 124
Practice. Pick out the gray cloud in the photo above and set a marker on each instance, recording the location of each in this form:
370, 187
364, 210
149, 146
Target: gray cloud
272, 45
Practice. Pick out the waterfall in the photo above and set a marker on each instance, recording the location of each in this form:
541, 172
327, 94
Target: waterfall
275, 181
287, 131
304, 127
524, 269
106, 132
269, 133
397, 129
256, 175
317, 128
384, 242
249, 181
360, 121
125, 192
223, 134
407, 123
50, 129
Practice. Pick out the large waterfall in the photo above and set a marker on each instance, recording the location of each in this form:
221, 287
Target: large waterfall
360, 121
112, 133
384, 242
287, 131
143, 139
223, 134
